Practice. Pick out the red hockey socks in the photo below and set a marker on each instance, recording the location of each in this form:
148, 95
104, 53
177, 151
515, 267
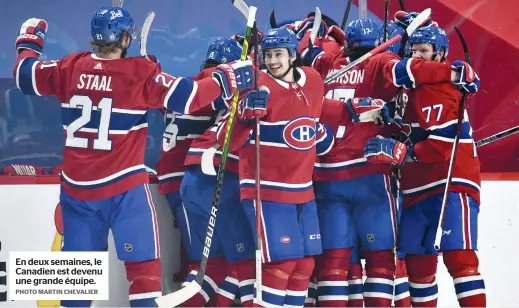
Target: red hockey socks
468, 282
275, 277
355, 286
402, 297
215, 274
298, 281
380, 271
145, 283
422, 280
311, 298
275, 281
332, 278
228, 289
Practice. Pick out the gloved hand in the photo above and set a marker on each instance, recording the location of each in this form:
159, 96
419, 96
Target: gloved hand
31, 36
404, 19
253, 105
386, 151
238, 75
367, 109
406, 133
465, 76
307, 24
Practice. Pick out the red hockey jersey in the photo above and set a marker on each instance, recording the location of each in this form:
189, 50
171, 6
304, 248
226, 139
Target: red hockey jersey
434, 107
291, 137
208, 140
104, 104
180, 133
346, 159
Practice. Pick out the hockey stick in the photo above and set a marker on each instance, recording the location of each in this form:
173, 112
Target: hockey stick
272, 20
144, 33
207, 159
402, 5
258, 299
345, 16
363, 9
410, 29
495, 137
386, 19
192, 288
118, 3
242, 6
461, 115
315, 31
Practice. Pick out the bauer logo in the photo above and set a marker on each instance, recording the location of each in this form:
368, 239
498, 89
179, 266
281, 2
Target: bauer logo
299, 134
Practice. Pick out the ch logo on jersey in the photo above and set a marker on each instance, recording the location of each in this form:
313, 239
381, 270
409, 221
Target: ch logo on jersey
299, 134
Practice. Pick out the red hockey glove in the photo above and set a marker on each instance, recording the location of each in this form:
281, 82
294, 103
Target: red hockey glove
367, 109
466, 77
386, 151
238, 75
32, 35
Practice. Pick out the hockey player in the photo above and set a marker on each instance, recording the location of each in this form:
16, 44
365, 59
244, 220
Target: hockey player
291, 137
433, 109
104, 98
232, 240
180, 133
351, 192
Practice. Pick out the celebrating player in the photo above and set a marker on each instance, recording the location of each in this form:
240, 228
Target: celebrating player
355, 199
232, 241
104, 98
432, 110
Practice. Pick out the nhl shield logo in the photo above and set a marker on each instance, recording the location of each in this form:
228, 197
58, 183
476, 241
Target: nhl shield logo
371, 238
128, 247
240, 247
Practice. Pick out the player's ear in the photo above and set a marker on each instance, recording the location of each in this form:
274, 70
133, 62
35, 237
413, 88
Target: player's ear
293, 56
439, 56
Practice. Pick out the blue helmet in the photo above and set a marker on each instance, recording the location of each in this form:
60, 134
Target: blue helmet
362, 33
223, 51
432, 35
108, 24
280, 38
392, 31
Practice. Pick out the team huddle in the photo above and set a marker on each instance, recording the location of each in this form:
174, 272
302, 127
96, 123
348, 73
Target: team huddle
321, 174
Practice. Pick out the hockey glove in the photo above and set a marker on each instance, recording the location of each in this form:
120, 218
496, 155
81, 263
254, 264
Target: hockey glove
238, 75
408, 134
465, 78
307, 24
32, 35
253, 105
386, 151
367, 109
404, 19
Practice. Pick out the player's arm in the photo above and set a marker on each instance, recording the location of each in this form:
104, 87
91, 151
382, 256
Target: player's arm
411, 73
251, 106
187, 96
324, 139
34, 77
352, 110
438, 127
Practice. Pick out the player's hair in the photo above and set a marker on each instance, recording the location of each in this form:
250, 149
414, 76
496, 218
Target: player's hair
210, 63
108, 48
356, 52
